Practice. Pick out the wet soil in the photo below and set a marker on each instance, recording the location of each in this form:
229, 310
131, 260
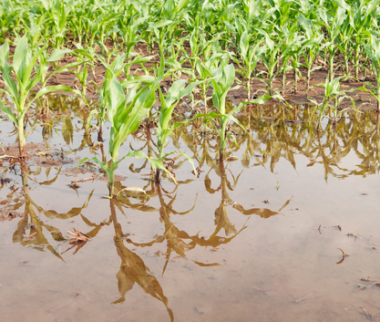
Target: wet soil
35, 154
255, 239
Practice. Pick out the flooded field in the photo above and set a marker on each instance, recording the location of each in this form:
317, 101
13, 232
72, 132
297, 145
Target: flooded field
285, 229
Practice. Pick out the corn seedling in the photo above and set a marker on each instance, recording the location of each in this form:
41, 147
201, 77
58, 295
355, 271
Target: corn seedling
28, 75
124, 114
271, 58
373, 52
333, 97
311, 47
250, 56
333, 31
222, 80
207, 67
165, 129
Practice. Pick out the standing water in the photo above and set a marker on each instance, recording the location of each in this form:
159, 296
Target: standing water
285, 229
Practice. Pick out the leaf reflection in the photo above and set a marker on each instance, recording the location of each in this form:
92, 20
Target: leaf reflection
133, 269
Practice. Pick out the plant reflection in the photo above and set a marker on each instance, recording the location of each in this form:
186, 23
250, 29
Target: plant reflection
133, 269
30, 219
276, 132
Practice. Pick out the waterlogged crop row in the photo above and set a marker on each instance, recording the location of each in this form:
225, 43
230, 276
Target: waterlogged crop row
217, 39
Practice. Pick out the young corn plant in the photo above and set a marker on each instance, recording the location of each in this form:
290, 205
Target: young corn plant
57, 11
130, 30
373, 52
28, 75
333, 30
125, 114
296, 55
362, 19
311, 47
333, 96
250, 56
271, 58
115, 69
197, 44
207, 67
288, 49
222, 80
164, 127
105, 100
344, 43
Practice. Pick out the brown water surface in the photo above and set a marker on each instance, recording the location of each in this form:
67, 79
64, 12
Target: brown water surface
250, 240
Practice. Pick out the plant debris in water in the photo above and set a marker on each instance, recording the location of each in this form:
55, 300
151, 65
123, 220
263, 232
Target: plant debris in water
77, 236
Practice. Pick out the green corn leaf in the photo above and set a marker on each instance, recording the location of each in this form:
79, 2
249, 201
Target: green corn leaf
20, 60
29, 68
189, 159
142, 60
180, 5
234, 139
342, 4
157, 163
8, 111
244, 43
127, 120
159, 24
146, 79
114, 97
57, 54
235, 120
5, 68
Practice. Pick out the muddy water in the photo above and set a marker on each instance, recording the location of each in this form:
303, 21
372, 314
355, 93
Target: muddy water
254, 240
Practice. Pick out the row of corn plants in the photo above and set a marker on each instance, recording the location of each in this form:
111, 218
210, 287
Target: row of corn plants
270, 32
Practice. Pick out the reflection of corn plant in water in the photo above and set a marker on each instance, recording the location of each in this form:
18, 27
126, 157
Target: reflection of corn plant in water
179, 241
133, 269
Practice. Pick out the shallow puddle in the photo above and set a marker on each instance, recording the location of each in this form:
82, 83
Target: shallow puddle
285, 233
